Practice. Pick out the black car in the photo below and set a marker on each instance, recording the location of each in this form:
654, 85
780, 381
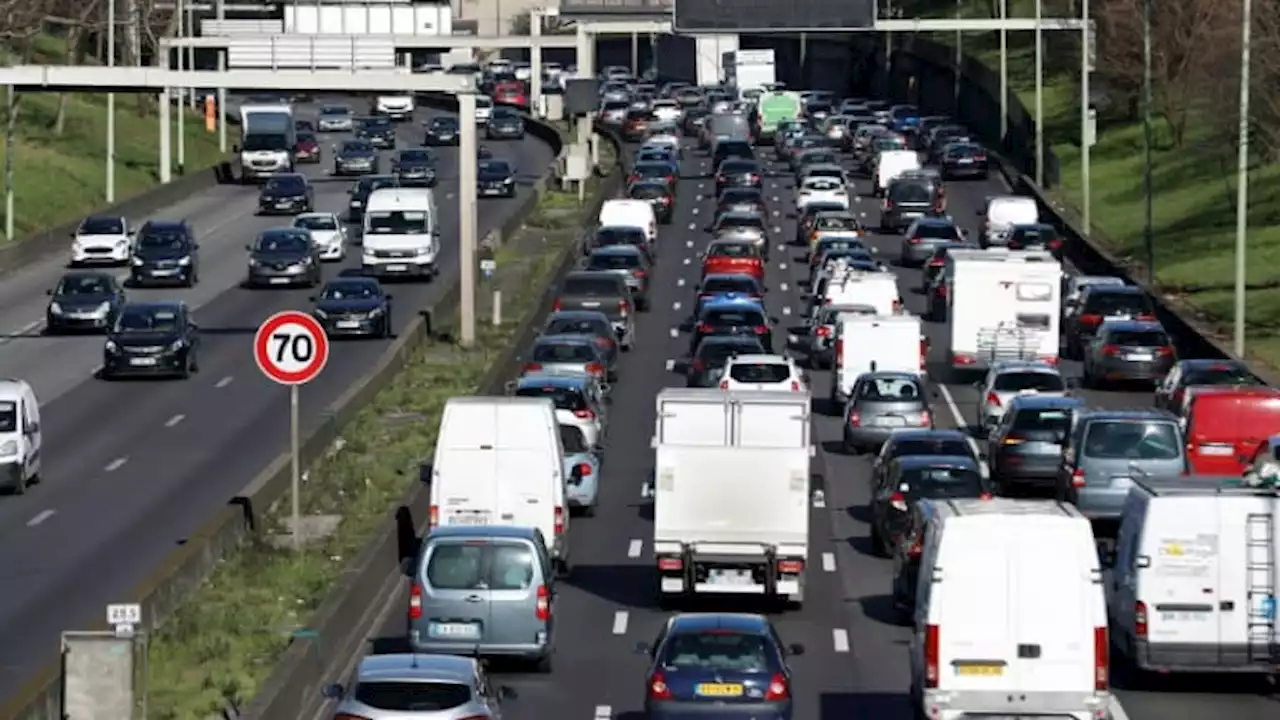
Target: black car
289, 194
361, 191
304, 126
504, 124
726, 149
964, 159
379, 131
741, 199
151, 338
354, 306
355, 157
442, 131
651, 171
1099, 303
911, 478
1201, 372
415, 168
737, 172
706, 366
726, 315
83, 301
495, 178
694, 119
284, 256
658, 194
1035, 236
165, 253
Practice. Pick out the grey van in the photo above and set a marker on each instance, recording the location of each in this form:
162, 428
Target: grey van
483, 591
1108, 449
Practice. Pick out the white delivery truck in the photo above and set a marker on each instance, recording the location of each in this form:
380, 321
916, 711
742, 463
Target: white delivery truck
869, 343
749, 70
1002, 305
1193, 584
267, 138
499, 461
401, 235
731, 493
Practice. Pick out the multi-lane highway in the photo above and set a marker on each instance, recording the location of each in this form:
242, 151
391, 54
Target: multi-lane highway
132, 468
856, 662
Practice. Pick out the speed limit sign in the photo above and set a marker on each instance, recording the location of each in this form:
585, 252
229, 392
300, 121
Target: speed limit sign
291, 348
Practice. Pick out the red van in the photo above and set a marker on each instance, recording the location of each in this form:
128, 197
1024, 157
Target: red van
1226, 426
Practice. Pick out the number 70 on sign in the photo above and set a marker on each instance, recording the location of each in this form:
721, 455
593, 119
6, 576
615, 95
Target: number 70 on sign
291, 348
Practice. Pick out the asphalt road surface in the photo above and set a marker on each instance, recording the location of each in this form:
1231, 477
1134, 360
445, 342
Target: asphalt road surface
132, 468
856, 664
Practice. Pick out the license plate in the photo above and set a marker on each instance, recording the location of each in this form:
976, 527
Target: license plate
965, 161
1184, 616
164, 271
890, 421
454, 630
279, 281
1216, 449
980, 670
492, 191
397, 268
144, 361
590, 304
1139, 357
348, 324
731, 577
469, 519
283, 205
719, 689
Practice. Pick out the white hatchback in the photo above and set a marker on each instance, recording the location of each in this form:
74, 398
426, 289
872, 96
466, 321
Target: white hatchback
102, 240
327, 233
763, 372
822, 189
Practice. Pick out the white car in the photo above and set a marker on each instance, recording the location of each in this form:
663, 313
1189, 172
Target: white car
484, 108
763, 372
820, 189
667, 110
398, 107
104, 240
327, 233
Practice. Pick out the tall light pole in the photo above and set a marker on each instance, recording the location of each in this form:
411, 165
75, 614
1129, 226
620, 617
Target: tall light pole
1004, 73
1086, 129
111, 105
1148, 240
1242, 179
1039, 96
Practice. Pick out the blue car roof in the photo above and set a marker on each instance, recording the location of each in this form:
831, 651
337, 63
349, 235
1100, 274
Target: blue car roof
733, 300
698, 622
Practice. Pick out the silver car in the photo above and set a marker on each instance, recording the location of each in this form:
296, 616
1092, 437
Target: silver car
335, 118
411, 686
1108, 449
746, 226
1008, 379
882, 403
567, 354
1128, 350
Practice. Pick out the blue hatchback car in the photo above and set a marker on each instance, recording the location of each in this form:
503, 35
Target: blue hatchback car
729, 665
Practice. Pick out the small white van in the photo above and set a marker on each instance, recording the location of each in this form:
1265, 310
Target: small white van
870, 343
630, 213
1193, 584
1001, 214
20, 435
499, 461
892, 163
401, 233
1010, 618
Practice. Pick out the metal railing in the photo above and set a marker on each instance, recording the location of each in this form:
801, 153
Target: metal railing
311, 52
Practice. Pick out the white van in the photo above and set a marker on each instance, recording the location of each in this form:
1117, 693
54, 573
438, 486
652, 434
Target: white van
20, 435
484, 109
1002, 213
1193, 584
499, 461
630, 213
850, 286
870, 343
892, 163
401, 233
1010, 618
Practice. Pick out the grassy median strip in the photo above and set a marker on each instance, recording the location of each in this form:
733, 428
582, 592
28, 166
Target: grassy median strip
222, 644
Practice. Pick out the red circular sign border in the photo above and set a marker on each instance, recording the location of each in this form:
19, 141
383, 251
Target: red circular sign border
261, 350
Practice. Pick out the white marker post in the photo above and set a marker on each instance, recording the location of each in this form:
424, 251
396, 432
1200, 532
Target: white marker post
291, 348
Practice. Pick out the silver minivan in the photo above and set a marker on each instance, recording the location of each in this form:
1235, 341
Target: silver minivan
1109, 449
483, 591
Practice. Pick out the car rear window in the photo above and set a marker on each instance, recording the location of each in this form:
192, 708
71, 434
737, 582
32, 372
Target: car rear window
931, 230
613, 261
951, 446
738, 166
943, 482
646, 192
562, 397
1033, 236
1051, 423
760, 372
717, 651
724, 285
1023, 381
409, 696
731, 250
572, 439
741, 221
733, 317
889, 389
480, 565
1132, 440
568, 326
910, 192
1138, 338
607, 286
1224, 374
1115, 303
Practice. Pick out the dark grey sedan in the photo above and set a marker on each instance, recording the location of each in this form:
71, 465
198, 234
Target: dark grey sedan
1025, 448
882, 403
1126, 350
628, 262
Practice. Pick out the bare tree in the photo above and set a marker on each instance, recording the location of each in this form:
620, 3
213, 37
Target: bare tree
73, 21
1264, 71
23, 21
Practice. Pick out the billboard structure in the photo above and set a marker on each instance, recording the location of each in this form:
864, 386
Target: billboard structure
766, 16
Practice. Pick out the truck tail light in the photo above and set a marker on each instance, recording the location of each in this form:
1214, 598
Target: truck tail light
1140, 619
931, 652
585, 414
1101, 661
433, 516
415, 602
790, 567
559, 521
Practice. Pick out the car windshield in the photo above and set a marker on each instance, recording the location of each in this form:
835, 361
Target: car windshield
910, 192
400, 696
415, 156
574, 326
375, 124
572, 439
356, 148
1053, 423
1138, 338
288, 183
283, 243
564, 398
1221, 374
306, 138
731, 250
614, 261
1129, 440
444, 123
943, 482
723, 651
891, 389
736, 317
904, 111
83, 285
935, 230
163, 240
1024, 381
350, 291
494, 167
606, 286
480, 566
396, 222
335, 111
563, 352
764, 372
1115, 303
316, 222
930, 446
136, 319
102, 226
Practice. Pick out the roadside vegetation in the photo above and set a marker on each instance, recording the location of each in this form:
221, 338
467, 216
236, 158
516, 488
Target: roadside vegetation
1196, 86
60, 139
217, 650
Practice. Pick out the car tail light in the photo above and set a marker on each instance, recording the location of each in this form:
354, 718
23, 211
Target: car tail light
795, 386
940, 290
542, 610
1055, 244
623, 308
855, 419
916, 549
606, 342
670, 564
790, 567
931, 648
559, 521
760, 329
1140, 619
823, 331
897, 306
639, 273
1166, 350
671, 178
925, 418
939, 206
1049, 360
415, 602
1110, 350
433, 516
924, 352
985, 496
556, 306
1090, 319
778, 689
1077, 478
980, 158
993, 399
1101, 661
915, 240
839, 352
583, 469
724, 384
699, 366
898, 501
532, 367
888, 204
665, 199
937, 262
658, 689
753, 178
1146, 316
586, 414
595, 369
705, 328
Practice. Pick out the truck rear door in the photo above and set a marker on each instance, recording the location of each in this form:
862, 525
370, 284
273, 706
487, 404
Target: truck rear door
772, 424
1180, 585
1052, 615
690, 421
975, 618
468, 493
525, 497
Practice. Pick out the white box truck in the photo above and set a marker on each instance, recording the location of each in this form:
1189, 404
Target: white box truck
267, 137
1002, 305
749, 70
731, 493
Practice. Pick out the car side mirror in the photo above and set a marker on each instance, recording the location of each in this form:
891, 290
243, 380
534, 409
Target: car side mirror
795, 649
773, 319
389, 296
248, 247
980, 212
510, 387
311, 298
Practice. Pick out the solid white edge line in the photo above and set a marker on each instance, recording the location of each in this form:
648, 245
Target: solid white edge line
602, 711
828, 562
223, 382
620, 622
840, 638
633, 550
951, 405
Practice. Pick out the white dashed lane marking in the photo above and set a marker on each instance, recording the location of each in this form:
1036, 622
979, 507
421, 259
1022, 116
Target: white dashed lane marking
840, 638
680, 282
223, 382
620, 622
602, 712
675, 306
41, 517
828, 562
116, 464
633, 550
